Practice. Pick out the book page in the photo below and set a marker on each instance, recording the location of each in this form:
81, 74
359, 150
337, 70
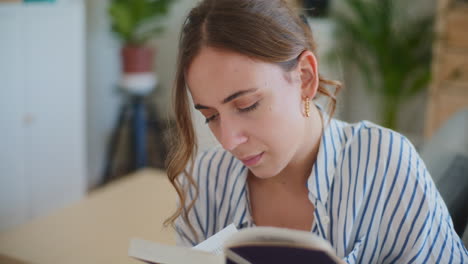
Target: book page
209, 251
151, 252
214, 244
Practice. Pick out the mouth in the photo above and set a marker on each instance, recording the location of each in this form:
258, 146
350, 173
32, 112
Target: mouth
252, 160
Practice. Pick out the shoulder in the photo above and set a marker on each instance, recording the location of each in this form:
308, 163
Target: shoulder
352, 131
379, 152
207, 157
209, 163
211, 170
220, 180
394, 164
374, 138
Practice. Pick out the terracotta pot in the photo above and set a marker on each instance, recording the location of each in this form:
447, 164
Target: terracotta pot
137, 59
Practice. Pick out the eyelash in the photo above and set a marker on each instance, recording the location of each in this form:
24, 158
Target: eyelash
242, 110
211, 118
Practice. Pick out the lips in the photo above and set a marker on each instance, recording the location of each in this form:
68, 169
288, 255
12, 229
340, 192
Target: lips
252, 160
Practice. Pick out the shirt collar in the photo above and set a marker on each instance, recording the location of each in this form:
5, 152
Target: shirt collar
323, 170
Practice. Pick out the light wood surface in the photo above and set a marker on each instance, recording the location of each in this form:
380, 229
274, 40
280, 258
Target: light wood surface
97, 229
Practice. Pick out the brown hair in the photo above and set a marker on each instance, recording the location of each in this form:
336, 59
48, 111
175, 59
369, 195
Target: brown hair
267, 30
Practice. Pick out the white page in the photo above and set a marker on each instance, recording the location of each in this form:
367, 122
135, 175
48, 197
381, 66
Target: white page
214, 244
209, 251
158, 253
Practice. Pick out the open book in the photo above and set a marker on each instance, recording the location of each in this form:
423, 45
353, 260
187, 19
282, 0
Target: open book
255, 245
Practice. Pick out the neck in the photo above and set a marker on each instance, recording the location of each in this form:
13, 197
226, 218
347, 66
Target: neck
294, 176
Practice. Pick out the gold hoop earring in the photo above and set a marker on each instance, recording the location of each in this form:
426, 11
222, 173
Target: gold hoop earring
307, 106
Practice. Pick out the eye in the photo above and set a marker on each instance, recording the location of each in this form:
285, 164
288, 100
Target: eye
211, 118
242, 110
250, 108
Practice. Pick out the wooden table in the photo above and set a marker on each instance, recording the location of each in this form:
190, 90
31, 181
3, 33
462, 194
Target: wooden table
98, 228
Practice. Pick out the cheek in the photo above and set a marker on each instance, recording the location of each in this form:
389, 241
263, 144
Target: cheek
286, 109
214, 131
280, 123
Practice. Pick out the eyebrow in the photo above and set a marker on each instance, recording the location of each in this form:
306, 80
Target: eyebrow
229, 98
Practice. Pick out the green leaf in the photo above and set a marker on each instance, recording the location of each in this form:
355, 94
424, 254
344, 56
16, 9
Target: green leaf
130, 18
150, 33
419, 83
122, 20
392, 52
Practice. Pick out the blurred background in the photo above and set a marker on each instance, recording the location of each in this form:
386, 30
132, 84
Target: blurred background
85, 88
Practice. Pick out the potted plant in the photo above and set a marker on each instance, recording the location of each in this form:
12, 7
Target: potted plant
391, 50
135, 22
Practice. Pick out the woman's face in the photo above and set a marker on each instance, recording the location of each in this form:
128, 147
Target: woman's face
253, 108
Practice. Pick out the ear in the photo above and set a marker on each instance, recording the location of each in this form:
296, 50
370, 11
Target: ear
308, 72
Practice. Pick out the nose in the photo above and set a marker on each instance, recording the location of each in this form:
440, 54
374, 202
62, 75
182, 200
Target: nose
231, 134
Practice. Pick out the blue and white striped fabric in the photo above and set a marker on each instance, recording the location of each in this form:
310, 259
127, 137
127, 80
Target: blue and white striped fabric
374, 200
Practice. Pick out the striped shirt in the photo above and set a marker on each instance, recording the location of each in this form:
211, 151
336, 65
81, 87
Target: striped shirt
374, 200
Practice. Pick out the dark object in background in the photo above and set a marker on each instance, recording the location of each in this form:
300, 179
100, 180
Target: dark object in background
316, 8
138, 140
446, 157
453, 188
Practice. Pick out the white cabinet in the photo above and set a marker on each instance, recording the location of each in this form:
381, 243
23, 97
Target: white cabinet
42, 109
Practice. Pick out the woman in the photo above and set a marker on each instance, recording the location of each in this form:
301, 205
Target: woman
250, 69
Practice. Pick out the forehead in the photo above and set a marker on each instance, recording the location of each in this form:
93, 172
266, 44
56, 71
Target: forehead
215, 74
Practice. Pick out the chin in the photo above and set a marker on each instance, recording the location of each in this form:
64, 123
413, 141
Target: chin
263, 172
269, 167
